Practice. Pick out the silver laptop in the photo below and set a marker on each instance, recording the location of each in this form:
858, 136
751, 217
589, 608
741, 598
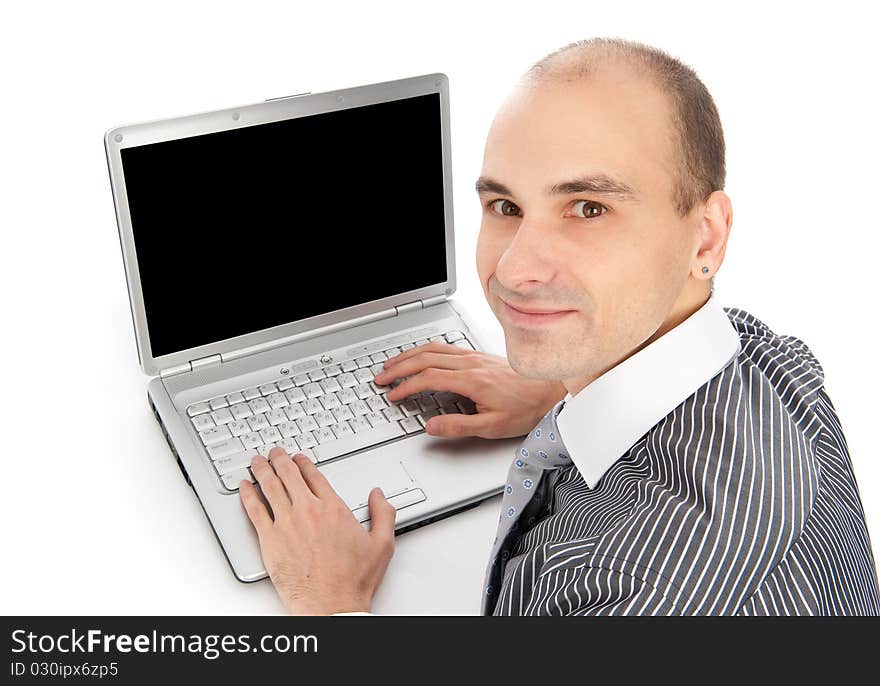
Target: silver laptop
276, 254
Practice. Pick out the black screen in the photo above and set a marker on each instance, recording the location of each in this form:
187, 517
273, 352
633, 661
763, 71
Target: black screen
243, 230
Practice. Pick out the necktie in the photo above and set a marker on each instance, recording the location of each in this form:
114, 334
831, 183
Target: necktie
541, 451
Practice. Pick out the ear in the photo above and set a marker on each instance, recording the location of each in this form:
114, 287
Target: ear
714, 229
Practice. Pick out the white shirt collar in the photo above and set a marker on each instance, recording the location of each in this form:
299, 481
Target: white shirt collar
607, 417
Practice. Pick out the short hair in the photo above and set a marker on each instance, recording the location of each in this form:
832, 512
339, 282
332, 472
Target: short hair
700, 145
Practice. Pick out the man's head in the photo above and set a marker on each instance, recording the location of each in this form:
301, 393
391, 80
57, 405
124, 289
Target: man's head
601, 193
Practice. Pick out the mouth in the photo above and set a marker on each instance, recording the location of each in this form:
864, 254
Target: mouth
533, 317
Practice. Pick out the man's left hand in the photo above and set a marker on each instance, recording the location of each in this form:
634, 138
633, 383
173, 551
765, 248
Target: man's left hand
320, 559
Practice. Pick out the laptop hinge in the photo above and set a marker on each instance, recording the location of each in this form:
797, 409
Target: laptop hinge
206, 362
420, 304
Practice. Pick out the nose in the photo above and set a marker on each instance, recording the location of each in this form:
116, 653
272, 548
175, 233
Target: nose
528, 258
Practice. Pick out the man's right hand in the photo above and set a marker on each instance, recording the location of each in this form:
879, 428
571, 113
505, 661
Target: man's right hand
508, 404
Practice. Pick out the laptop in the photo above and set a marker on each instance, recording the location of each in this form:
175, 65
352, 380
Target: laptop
276, 254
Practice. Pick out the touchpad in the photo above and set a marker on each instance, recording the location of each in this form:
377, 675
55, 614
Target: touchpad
353, 482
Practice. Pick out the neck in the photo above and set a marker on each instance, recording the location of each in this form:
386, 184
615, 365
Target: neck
688, 302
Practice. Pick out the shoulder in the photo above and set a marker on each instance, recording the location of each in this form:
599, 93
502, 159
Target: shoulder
786, 363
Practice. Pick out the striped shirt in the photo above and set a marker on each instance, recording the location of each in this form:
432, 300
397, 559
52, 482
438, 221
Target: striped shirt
737, 498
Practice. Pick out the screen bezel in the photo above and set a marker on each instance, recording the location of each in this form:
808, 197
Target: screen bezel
119, 138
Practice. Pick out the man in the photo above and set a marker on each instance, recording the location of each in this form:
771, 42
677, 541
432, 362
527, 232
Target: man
681, 458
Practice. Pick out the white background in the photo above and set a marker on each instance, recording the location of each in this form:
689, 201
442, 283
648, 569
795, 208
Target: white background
95, 516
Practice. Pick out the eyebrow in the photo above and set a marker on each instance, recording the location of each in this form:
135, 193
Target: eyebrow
598, 184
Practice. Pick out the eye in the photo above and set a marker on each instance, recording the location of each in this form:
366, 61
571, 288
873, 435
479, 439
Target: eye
504, 207
588, 209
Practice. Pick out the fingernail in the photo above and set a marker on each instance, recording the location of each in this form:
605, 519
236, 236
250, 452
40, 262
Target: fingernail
256, 458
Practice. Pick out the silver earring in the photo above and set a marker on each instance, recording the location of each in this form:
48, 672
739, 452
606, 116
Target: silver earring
705, 270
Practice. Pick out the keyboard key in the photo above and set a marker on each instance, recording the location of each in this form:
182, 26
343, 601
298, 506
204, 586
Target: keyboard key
277, 400
203, 422
232, 462
268, 389
422, 341
238, 427
453, 336
289, 446
214, 436
270, 435
306, 441
288, 429
426, 402
275, 417
346, 396
411, 425
363, 391
363, 361
234, 398
324, 435
376, 418
284, 384
407, 346
379, 390
301, 379
311, 406
295, 395
347, 380
363, 375
317, 374
234, 478
313, 390
259, 405
392, 413
379, 357
341, 429
330, 401
294, 411
360, 424
217, 403
464, 344
410, 407
359, 408
362, 439
377, 368
342, 413
438, 339
251, 440
230, 446
325, 418
376, 403
251, 393
306, 424
333, 370
258, 422
330, 385
198, 408
466, 406
222, 416
240, 411
349, 366
264, 450
391, 352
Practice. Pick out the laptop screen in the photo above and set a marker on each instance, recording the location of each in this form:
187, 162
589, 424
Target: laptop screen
243, 230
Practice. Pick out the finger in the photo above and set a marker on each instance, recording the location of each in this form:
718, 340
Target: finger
433, 346
289, 474
272, 487
382, 517
419, 362
254, 507
454, 381
313, 478
454, 425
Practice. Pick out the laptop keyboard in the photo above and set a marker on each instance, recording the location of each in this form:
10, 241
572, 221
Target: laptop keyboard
330, 412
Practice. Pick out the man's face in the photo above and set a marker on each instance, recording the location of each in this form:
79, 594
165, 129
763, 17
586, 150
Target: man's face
578, 217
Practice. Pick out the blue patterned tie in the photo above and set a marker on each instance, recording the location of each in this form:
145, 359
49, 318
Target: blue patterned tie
541, 451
